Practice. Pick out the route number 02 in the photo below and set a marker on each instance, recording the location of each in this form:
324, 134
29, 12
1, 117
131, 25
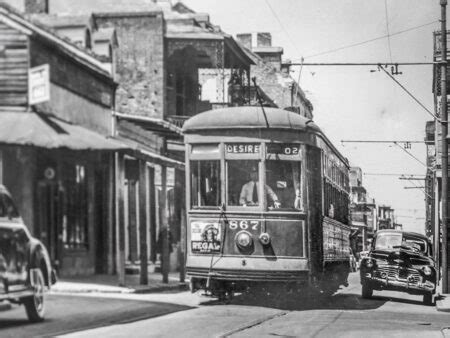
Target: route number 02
244, 225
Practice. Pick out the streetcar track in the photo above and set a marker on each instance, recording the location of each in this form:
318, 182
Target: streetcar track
254, 323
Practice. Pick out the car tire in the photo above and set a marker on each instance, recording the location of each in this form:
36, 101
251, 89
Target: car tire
367, 291
428, 299
35, 305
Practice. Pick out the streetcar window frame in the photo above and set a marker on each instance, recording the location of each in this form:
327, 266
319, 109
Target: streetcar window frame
198, 197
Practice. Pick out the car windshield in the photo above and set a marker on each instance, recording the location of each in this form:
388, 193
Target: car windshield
388, 241
397, 240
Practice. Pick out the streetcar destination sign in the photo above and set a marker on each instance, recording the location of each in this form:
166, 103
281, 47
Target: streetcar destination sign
283, 148
243, 148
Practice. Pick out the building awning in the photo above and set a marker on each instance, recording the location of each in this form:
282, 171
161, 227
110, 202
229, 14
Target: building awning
39, 130
139, 150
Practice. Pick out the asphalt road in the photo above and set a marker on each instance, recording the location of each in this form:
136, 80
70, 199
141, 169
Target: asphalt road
72, 313
346, 314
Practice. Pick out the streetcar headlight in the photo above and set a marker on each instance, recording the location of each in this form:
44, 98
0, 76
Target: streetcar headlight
244, 239
427, 270
264, 238
369, 263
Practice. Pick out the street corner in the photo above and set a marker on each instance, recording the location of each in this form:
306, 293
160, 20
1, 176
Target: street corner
443, 305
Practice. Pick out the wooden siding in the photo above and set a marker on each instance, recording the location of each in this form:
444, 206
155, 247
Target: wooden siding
13, 67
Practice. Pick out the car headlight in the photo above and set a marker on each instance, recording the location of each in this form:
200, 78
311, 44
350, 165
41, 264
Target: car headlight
427, 270
369, 263
243, 239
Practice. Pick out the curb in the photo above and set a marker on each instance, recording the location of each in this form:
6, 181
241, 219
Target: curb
124, 290
442, 307
5, 306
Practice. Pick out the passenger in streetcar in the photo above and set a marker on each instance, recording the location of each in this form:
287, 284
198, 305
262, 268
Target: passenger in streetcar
249, 192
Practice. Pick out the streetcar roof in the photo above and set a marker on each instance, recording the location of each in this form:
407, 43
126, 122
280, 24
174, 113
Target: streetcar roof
248, 117
254, 118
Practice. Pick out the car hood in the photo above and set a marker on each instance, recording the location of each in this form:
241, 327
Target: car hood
401, 256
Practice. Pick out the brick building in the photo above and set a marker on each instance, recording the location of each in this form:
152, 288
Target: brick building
363, 212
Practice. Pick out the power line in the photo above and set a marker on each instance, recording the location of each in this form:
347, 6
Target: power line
387, 29
414, 157
391, 174
281, 25
379, 141
409, 93
370, 40
363, 63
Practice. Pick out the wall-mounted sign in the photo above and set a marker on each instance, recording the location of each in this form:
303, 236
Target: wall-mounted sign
39, 84
283, 148
243, 148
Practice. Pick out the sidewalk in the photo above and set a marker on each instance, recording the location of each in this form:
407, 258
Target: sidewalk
443, 303
109, 284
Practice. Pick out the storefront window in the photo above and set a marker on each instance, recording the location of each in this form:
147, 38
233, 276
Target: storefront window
283, 184
75, 230
205, 183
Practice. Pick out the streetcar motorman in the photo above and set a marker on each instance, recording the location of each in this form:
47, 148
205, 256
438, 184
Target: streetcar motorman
249, 192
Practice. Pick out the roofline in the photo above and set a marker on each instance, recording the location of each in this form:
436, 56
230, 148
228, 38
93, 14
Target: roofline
19, 22
126, 14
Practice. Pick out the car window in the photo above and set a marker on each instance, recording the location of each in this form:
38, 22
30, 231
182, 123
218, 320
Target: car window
7, 207
415, 244
388, 240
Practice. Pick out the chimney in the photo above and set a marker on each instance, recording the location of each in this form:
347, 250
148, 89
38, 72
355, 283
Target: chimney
245, 39
36, 6
264, 40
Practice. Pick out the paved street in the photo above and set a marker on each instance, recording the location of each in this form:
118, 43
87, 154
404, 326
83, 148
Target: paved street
389, 314
66, 313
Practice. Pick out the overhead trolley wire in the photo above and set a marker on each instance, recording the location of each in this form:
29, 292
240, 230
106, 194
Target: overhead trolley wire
387, 29
282, 26
370, 40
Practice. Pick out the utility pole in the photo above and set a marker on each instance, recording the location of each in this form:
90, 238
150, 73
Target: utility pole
444, 128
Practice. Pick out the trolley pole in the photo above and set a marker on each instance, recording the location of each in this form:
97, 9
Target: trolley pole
444, 129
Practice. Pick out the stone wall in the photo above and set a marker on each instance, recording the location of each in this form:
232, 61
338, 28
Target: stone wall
139, 63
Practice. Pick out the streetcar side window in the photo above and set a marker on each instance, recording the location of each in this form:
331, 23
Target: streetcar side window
283, 179
241, 178
205, 184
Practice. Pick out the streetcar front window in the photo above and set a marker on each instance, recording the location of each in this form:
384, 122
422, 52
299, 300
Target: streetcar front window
205, 184
283, 179
242, 180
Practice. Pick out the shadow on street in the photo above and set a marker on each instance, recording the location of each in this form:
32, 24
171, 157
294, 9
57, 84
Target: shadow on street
306, 300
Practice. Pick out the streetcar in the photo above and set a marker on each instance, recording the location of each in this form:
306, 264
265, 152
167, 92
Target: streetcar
267, 198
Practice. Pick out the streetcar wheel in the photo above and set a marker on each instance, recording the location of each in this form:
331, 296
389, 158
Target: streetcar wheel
367, 291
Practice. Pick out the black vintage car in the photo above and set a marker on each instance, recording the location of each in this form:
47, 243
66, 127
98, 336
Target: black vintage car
25, 268
401, 261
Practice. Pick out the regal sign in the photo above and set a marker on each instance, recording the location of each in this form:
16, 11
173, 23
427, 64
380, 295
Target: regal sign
205, 237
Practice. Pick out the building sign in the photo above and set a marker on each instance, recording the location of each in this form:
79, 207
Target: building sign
39, 84
283, 148
243, 148
205, 237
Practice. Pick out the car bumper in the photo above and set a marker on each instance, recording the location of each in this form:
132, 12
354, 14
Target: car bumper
399, 283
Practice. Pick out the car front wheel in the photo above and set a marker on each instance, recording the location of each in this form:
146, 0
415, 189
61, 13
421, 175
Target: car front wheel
367, 291
34, 305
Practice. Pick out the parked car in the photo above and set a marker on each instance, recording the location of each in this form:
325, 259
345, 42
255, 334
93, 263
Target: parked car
402, 261
25, 268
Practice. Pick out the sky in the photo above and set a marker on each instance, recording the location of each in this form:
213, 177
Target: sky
356, 103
